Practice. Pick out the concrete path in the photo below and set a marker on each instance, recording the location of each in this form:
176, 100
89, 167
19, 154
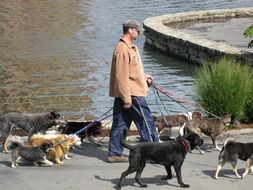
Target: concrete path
87, 169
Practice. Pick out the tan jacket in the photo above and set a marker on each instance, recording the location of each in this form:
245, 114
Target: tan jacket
127, 76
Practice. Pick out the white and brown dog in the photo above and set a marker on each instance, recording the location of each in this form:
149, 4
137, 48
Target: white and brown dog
61, 145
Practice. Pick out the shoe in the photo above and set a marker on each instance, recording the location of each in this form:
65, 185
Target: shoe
117, 159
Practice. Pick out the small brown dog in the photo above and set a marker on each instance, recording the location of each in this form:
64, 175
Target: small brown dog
61, 145
211, 127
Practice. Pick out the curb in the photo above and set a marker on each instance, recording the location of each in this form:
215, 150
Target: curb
233, 132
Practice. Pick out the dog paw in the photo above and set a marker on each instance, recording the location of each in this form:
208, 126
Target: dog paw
49, 163
240, 177
67, 157
243, 175
14, 165
185, 185
144, 185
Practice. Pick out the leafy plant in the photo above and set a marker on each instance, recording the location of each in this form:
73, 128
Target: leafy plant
249, 33
248, 118
223, 87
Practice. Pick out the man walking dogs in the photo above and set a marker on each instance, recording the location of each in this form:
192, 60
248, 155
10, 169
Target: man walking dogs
129, 86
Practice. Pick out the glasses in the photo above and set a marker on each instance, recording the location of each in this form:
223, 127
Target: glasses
138, 31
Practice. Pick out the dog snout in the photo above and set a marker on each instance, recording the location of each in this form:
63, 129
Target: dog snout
61, 122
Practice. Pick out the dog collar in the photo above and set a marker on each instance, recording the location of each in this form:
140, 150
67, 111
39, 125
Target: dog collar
186, 145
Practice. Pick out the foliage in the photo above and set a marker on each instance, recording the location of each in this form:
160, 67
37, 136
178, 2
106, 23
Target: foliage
249, 107
249, 33
223, 87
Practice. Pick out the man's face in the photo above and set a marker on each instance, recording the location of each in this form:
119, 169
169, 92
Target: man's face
134, 33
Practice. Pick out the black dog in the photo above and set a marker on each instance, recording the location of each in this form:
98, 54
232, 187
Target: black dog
92, 128
168, 154
37, 155
31, 123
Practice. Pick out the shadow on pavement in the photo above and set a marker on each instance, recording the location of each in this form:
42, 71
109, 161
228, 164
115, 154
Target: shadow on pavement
92, 150
131, 181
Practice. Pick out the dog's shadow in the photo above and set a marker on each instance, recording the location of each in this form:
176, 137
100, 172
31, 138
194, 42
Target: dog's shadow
21, 163
6, 163
92, 150
227, 173
131, 181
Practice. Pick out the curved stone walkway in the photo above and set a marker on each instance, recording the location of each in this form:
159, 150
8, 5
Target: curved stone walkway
190, 47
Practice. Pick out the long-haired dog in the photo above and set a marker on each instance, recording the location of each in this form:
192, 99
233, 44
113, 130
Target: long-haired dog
31, 123
16, 135
18, 139
211, 127
37, 155
169, 154
231, 152
61, 145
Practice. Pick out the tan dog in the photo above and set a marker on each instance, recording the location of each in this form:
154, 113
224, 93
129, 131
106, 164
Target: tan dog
169, 121
61, 142
211, 127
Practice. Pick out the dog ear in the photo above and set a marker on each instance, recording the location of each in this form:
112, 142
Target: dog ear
54, 114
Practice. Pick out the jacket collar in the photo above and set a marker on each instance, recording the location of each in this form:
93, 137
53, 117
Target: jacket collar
128, 42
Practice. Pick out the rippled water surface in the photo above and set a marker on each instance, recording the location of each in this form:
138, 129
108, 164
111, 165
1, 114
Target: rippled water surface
57, 53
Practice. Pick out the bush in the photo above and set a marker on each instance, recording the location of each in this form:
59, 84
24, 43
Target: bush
224, 87
248, 118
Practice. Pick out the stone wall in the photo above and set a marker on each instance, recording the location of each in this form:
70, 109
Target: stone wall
189, 47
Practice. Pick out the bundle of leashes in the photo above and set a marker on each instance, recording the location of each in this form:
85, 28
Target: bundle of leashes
157, 88
93, 123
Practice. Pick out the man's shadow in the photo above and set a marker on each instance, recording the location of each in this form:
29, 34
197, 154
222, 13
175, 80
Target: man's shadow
90, 149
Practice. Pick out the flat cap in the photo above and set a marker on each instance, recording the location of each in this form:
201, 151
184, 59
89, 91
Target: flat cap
132, 23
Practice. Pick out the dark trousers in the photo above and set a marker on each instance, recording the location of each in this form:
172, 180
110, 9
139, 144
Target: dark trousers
140, 114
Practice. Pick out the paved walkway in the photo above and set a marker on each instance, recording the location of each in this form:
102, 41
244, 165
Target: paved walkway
87, 169
228, 31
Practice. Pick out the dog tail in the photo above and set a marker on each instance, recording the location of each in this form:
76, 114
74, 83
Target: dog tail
124, 144
223, 150
228, 140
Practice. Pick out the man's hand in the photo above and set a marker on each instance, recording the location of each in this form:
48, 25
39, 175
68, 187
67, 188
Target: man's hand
149, 80
127, 105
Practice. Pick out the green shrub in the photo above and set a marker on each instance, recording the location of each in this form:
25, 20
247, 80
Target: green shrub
248, 116
223, 87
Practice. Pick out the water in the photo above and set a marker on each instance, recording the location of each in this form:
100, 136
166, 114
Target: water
57, 53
